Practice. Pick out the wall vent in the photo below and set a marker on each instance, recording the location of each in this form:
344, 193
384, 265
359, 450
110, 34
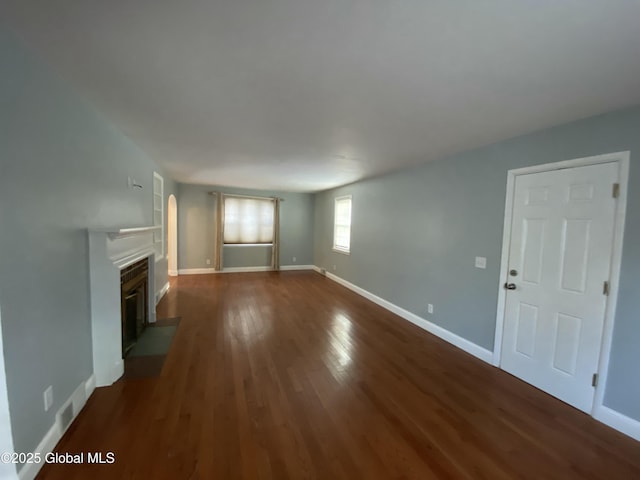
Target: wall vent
65, 417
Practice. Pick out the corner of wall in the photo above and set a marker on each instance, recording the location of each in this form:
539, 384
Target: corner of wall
77, 400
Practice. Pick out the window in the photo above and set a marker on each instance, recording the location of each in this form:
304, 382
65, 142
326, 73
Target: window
342, 225
158, 215
248, 220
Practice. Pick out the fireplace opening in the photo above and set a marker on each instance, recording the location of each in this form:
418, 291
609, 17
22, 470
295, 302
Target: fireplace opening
134, 286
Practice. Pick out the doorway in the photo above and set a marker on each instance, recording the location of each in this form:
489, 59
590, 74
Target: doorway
560, 265
172, 233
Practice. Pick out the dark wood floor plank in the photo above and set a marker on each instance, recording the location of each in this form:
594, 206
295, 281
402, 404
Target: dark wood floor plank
291, 376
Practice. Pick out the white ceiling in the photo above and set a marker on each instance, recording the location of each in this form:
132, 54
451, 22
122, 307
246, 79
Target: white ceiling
304, 95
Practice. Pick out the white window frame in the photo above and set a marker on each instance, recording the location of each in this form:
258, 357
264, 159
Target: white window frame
158, 208
337, 248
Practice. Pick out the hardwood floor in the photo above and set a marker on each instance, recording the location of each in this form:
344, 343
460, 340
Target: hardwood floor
290, 375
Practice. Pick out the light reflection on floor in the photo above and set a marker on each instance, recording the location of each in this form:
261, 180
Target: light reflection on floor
340, 352
249, 323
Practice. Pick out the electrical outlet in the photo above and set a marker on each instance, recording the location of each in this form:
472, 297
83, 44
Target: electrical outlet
430, 308
295, 259
481, 262
48, 398
208, 261
335, 268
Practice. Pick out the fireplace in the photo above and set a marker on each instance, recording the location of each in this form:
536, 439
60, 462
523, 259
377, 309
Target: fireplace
122, 272
134, 292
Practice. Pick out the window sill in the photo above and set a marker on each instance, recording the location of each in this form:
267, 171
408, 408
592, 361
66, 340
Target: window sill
344, 252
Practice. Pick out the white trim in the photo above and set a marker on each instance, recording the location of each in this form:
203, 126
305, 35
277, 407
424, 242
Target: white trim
336, 248
204, 271
504, 262
78, 398
161, 293
196, 271
246, 269
438, 331
161, 254
296, 267
117, 233
89, 386
617, 420
172, 235
614, 282
46, 445
234, 245
622, 159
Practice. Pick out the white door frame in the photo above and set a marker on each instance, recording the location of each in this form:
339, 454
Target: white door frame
622, 159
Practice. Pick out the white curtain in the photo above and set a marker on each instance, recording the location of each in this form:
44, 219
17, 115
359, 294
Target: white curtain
248, 220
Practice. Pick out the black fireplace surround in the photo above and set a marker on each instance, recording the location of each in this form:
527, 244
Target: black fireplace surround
134, 293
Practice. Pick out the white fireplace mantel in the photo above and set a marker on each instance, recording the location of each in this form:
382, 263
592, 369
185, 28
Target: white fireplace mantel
111, 250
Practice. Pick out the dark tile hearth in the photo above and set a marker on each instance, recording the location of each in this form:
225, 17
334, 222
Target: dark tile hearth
143, 367
148, 366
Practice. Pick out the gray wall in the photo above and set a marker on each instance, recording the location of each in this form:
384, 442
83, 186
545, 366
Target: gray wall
415, 234
63, 169
197, 229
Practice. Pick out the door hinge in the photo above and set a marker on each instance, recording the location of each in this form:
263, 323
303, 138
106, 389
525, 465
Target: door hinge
594, 380
616, 190
605, 288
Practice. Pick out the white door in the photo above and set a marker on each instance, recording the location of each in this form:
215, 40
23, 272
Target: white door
559, 259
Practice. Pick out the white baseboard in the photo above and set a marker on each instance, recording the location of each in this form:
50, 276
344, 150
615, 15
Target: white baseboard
89, 386
246, 269
196, 271
161, 293
78, 398
438, 331
46, 445
618, 421
203, 271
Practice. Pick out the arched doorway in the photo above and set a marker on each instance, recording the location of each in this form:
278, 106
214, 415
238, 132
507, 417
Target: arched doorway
172, 232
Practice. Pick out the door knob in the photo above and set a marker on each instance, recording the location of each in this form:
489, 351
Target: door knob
510, 286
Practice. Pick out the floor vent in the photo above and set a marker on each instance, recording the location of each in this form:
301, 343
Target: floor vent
65, 417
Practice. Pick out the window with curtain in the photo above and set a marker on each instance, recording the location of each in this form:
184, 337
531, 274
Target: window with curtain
248, 220
342, 225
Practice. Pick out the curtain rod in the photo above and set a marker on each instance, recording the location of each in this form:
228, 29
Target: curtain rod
213, 193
